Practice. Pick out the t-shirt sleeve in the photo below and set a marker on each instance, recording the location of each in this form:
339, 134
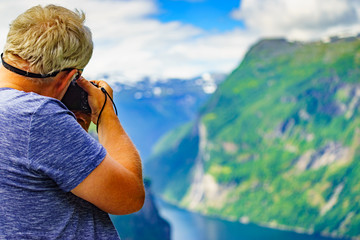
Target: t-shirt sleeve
60, 148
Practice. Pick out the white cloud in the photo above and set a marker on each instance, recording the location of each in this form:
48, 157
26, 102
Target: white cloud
300, 19
133, 44
129, 42
220, 53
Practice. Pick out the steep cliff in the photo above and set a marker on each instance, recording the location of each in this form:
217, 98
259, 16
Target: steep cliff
277, 144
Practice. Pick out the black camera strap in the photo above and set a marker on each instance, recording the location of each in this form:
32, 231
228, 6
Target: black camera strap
29, 74
102, 109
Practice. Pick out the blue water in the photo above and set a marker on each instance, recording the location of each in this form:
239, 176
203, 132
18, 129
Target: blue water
192, 226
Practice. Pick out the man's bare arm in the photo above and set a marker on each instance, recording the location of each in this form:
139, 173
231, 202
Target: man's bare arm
116, 185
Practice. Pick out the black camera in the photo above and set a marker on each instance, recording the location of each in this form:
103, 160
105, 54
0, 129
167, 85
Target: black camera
76, 99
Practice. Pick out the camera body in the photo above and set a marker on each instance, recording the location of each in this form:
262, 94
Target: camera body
76, 99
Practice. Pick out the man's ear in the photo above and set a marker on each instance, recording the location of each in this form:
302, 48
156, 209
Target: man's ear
62, 82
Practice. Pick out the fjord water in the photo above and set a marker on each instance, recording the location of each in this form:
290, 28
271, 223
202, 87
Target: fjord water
192, 226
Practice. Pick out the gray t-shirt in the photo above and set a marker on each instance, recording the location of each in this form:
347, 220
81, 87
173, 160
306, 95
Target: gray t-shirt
44, 154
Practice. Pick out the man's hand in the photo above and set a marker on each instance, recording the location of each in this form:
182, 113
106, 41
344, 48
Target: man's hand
96, 97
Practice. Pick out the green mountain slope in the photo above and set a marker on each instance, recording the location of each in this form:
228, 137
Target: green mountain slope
277, 144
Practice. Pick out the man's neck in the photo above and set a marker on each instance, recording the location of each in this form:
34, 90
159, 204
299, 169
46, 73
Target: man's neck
9, 79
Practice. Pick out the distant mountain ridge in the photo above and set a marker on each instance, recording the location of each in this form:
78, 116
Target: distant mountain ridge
148, 109
277, 144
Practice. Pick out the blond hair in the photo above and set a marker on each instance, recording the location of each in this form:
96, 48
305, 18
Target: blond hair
49, 39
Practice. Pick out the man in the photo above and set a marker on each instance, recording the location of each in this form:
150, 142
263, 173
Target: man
56, 181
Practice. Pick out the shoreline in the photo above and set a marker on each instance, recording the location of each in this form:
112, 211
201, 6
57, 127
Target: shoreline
245, 221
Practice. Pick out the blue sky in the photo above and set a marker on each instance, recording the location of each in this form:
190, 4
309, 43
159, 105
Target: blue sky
210, 15
162, 39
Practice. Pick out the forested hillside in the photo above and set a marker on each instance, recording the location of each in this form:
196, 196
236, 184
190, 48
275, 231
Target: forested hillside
277, 144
